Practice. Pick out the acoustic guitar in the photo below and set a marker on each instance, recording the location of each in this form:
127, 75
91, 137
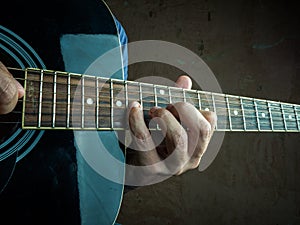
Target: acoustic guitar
57, 100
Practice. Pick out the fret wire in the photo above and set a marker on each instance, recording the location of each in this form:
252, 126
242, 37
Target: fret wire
126, 93
97, 102
141, 95
54, 99
82, 102
243, 114
296, 116
271, 117
184, 95
170, 97
199, 100
40, 98
155, 102
155, 95
283, 116
214, 107
229, 113
69, 100
257, 116
25, 98
111, 104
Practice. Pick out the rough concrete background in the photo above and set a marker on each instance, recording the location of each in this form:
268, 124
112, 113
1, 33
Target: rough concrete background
253, 48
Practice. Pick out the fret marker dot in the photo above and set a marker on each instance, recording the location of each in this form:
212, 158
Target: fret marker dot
290, 117
206, 109
235, 112
162, 92
119, 103
263, 115
89, 101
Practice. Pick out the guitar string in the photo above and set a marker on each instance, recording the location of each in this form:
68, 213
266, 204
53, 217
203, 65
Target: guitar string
235, 107
249, 126
179, 90
150, 94
136, 84
279, 121
235, 125
267, 116
238, 109
193, 100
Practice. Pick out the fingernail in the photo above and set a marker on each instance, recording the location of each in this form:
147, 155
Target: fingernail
153, 110
170, 106
134, 105
21, 90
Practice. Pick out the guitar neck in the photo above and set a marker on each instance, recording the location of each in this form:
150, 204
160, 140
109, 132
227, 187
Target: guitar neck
61, 100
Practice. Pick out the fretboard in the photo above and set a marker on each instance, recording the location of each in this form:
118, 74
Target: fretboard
61, 100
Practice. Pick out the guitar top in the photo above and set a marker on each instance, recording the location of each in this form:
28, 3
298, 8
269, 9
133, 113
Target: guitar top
49, 178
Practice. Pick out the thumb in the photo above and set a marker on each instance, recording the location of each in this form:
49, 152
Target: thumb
20, 89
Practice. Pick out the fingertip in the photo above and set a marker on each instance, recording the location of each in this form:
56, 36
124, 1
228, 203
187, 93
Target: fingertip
134, 104
170, 107
153, 110
211, 117
20, 89
134, 110
184, 81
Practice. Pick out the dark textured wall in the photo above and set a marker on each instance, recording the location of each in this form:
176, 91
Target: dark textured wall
253, 48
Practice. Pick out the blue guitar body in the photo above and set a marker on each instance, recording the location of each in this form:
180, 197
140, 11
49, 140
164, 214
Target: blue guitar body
45, 176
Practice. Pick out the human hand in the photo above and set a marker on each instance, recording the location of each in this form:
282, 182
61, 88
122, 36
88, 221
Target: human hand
10, 90
187, 133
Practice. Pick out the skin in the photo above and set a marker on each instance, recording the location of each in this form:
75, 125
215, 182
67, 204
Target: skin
188, 145
10, 90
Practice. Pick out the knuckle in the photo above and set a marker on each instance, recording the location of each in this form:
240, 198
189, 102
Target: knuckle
194, 165
205, 130
7, 91
161, 112
180, 138
179, 173
212, 116
142, 136
195, 160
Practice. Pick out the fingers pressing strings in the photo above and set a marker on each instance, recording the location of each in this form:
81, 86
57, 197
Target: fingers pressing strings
142, 148
199, 126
